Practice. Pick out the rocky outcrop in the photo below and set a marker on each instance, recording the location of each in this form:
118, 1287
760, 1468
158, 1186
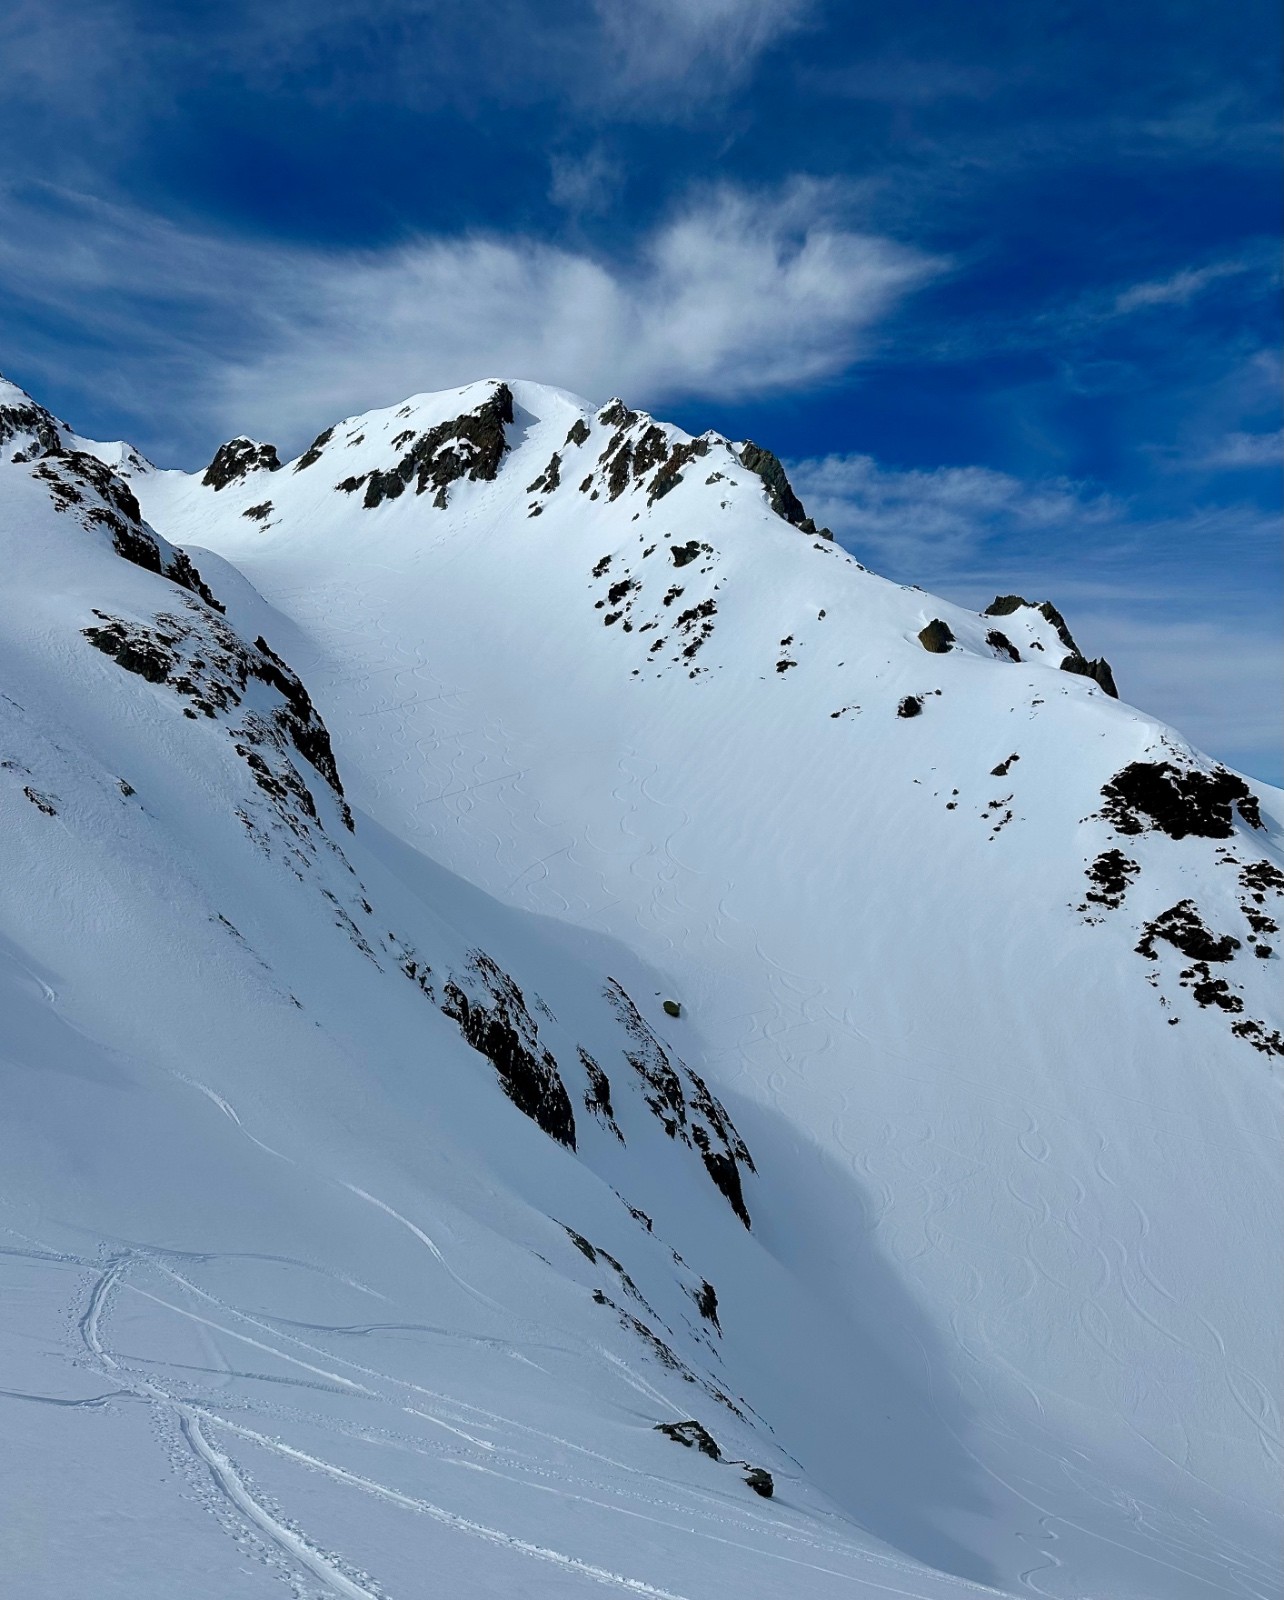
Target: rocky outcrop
1004, 605
1178, 802
237, 459
86, 488
494, 1019
1098, 670
470, 446
210, 666
936, 637
780, 493
682, 1102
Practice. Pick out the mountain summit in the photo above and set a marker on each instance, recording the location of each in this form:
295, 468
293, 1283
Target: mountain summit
559, 1034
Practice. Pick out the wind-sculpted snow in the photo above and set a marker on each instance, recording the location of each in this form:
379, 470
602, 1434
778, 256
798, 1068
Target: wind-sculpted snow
375, 1200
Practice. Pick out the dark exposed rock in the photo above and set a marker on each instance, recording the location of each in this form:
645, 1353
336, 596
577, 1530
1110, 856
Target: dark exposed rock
258, 513
1183, 928
210, 666
1004, 605
470, 446
780, 494
1000, 642
936, 637
1262, 876
42, 802
670, 474
549, 479
615, 414
1097, 669
683, 554
39, 430
760, 1481
693, 1435
81, 483
1269, 1041
1004, 767
579, 432
598, 1099
682, 1102
672, 1008
1157, 794
706, 1299
1109, 876
503, 1030
312, 454
237, 459
910, 706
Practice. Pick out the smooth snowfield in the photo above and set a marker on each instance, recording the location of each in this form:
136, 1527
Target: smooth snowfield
289, 1296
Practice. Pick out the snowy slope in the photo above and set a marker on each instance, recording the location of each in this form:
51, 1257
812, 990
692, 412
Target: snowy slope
361, 1193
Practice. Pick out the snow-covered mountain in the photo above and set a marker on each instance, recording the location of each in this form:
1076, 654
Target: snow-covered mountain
560, 1034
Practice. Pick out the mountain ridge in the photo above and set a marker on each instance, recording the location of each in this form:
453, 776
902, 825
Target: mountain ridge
880, 929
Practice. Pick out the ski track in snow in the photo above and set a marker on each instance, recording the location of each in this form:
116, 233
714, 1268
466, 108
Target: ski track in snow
236, 1493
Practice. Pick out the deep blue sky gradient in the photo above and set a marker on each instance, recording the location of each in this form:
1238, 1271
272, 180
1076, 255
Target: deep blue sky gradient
1093, 190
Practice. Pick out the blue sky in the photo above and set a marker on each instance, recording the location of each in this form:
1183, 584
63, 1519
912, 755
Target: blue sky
1000, 281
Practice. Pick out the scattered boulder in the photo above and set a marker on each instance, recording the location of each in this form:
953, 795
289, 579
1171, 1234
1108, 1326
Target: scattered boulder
761, 1482
672, 1008
936, 637
1001, 643
910, 706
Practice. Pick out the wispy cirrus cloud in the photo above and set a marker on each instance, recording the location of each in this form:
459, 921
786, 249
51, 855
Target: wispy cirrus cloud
736, 295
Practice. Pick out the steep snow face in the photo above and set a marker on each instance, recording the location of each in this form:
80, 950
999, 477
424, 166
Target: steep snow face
356, 1164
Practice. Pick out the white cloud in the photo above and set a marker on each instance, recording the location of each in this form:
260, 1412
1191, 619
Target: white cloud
658, 42
1177, 290
736, 296
1246, 450
935, 521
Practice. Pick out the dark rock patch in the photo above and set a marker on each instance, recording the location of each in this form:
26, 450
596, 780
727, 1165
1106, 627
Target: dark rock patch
579, 432
1004, 605
910, 706
470, 446
693, 1435
681, 1100
683, 554
237, 459
761, 1482
615, 414
42, 802
1098, 670
549, 479
506, 1034
312, 454
780, 494
1004, 767
1180, 803
597, 1100
1183, 928
936, 637
258, 513
1110, 876
1001, 643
